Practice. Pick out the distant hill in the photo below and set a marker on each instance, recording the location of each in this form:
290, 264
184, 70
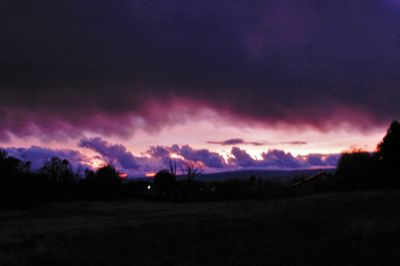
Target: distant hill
283, 175
264, 174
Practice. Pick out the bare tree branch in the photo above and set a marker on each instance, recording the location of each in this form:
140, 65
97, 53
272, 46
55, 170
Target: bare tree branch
191, 169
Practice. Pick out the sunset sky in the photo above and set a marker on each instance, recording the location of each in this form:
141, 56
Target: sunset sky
278, 84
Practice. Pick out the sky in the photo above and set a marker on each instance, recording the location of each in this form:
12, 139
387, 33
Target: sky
277, 84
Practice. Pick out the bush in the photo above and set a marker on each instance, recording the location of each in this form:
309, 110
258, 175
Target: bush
358, 170
104, 183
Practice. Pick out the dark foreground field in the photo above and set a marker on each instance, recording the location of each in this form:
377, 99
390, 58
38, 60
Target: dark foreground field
360, 228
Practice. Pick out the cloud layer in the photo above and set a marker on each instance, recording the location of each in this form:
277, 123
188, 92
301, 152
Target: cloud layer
38, 155
114, 66
185, 152
238, 141
278, 159
159, 157
115, 153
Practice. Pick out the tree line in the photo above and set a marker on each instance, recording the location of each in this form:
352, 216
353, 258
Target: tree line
56, 180
359, 169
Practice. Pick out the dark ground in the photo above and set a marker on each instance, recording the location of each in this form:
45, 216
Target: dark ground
358, 228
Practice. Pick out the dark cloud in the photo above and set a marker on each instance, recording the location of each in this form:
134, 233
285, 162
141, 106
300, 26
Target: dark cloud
99, 65
254, 143
241, 158
320, 159
208, 158
278, 159
160, 152
237, 142
294, 142
227, 142
39, 155
115, 153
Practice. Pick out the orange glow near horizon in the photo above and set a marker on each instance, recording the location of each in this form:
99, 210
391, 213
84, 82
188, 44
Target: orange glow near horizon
123, 175
150, 174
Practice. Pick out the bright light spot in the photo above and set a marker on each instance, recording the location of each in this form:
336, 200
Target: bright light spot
148, 187
175, 156
96, 163
150, 174
255, 153
123, 175
225, 154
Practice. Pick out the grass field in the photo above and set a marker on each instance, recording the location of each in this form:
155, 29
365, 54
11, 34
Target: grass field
361, 228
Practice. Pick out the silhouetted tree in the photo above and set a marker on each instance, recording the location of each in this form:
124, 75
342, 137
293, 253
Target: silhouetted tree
3, 154
164, 182
172, 167
17, 184
389, 154
9, 172
11, 167
389, 148
59, 170
105, 182
358, 169
89, 174
191, 169
107, 175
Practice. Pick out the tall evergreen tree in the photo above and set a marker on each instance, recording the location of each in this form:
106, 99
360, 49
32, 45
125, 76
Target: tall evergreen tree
389, 153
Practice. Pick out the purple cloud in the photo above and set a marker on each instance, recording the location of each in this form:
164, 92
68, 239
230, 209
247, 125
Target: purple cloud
111, 66
210, 159
241, 158
159, 151
38, 155
158, 157
278, 159
116, 153
315, 160
227, 142
239, 141
294, 142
